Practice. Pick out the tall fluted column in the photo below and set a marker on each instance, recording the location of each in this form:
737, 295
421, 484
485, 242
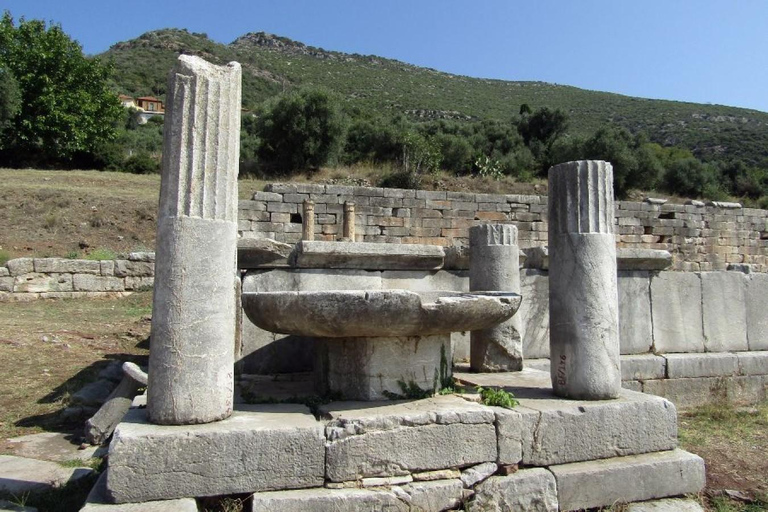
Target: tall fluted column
191, 360
583, 298
494, 266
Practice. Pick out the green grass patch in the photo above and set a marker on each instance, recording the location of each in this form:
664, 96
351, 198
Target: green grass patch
102, 253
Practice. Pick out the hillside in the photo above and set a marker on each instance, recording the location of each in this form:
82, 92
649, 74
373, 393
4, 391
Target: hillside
272, 64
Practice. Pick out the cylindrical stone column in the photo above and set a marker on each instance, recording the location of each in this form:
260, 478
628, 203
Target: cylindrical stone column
191, 360
349, 221
494, 266
583, 297
308, 220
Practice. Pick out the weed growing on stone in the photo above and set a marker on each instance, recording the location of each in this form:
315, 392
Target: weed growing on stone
497, 397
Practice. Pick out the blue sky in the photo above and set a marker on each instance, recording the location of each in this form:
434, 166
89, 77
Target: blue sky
703, 51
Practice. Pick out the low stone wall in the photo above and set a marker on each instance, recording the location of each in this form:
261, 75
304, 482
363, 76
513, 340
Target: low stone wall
700, 237
41, 278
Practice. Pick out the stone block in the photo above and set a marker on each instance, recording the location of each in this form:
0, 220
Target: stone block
643, 367
63, 265
139, 283
396, 438
255, 252
433, 496
537, 257
632, 385
635, 325
20, 266
370, 256
693, 392
476, 474
677, 312
541, 365
681, 366
258, 448
38, 283
331, 500
98, 502
142, 256
603, 483
757, 320
127, 268
753, 363
642, 259
425, 281
666, 505
550, 430
21, 475
4, 272
6, 284
724, 311
92, 283
528, 489
107, 267
534, 313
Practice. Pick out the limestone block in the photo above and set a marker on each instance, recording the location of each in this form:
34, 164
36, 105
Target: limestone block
642, 367
537, 257
97, 502
603, 483
21, 475
336, 500
753, 363
534, 313
6, 283
62, 265
127, 268
94, 283
725, 311
4, 272
139, 283
370, 256
142, 256
254, 252
425, 280
635, 325
395, 438
632, 385
258, 448
321, 279
19, 266
528, 489
677, 312
757, 319
642, 259
476, 474
37, 283
693, 392
666, 505
434, 496
701, 365
107, 267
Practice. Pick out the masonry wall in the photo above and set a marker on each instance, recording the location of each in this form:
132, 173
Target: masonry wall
700, 238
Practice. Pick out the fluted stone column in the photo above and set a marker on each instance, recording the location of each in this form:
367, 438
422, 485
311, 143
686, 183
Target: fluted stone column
191, 359
348, 228
308, 221
494, 266
583, 298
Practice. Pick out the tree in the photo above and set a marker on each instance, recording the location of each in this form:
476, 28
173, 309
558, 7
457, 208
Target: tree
10, 99
545, 125
301, 131
66, 108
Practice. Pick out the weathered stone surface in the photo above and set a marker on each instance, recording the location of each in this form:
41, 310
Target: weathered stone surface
6, 283
545, 429
666, 505
475, 474
20, 266
583, 298
531, 490
386, 481
439, 474
425, 280
534, 313
494, 266
266, 447
701, 365
21, 475
191, 364
36, 283
632, 385
724, 310
396, 438
603, 483
4, 272
139, 283
53, 446
93, 393
537, 257
128, 268
642, 259
635, 324
377, 368
434, 496
98, 502
757, 320
724, 204
142, 256
368, 255
358, 313
255, 252
753, 363
335, 500
63, 265
541, 365
693, 392
643, 367
677, 312
96, 283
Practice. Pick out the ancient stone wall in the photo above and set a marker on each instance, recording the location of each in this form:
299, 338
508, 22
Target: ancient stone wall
700, 238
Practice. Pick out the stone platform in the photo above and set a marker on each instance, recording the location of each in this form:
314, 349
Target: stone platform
434, 454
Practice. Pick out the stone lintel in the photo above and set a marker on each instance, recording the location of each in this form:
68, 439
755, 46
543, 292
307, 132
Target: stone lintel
368, 255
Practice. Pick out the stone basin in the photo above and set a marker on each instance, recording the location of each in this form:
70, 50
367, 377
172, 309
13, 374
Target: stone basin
379, 313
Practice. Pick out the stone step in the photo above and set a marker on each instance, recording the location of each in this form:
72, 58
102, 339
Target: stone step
20, 475
98, 502
602, 483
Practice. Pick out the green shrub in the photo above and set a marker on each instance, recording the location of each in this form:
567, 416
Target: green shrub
497, 397
141, 163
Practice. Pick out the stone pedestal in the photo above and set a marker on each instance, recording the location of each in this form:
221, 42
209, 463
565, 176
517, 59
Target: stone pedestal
377, 368
494, 266
194, 312
583, 298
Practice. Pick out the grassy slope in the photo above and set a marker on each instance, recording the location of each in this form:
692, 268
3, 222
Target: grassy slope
373, 84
